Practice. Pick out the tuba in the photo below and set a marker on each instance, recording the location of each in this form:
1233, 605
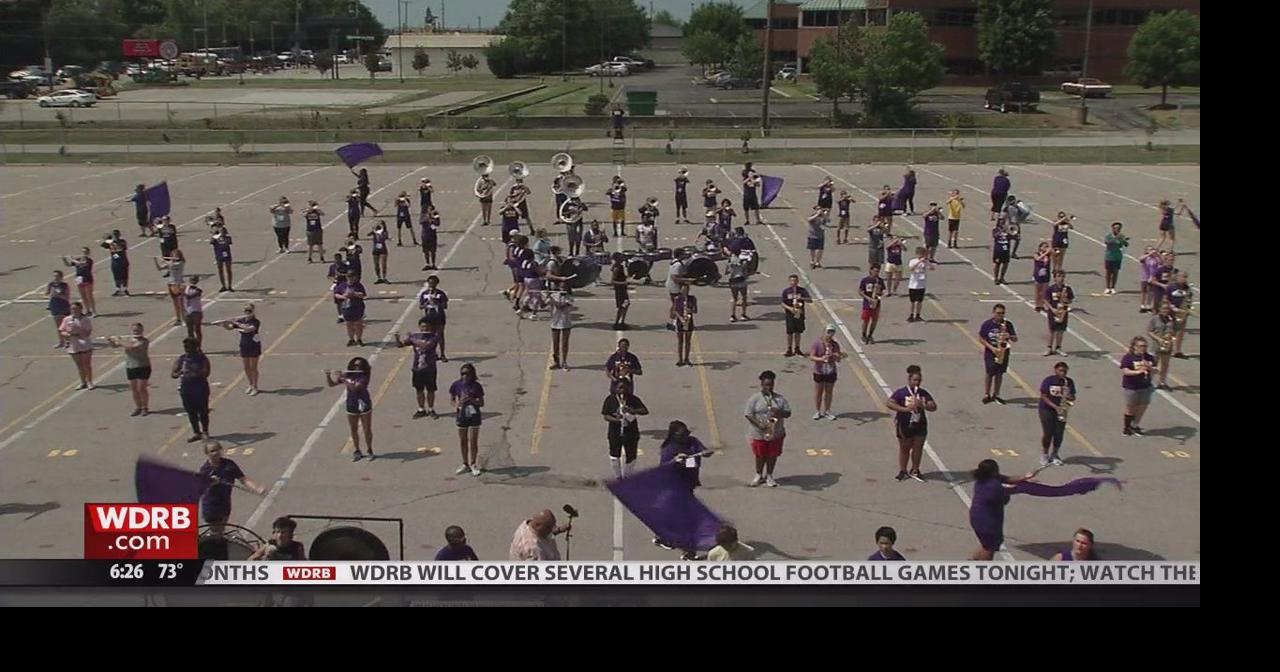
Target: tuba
573, 186
518, 170
571, 211
482, 165
562, 163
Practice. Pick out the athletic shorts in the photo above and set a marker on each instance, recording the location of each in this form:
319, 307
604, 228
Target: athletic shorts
140, 373
870, 313
1058, 326
995, 368
762, 448
473, 421
843, 222
795, 325
1137, 397
425, 379
738, 291
907, 430
824, 377
1112, 266
889, 267
814, 243
315, 237
999, 257
619, 214
953, 226
254, 350
621, 299
931, 239
917, 295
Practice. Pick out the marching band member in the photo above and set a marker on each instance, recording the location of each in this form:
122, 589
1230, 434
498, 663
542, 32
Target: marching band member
618, 206
1013, 217
594, 238
424, 343
1061, 238
1040, 273
381, 252
1115, 243
892, 268
352, 294
737, 280
1161, 329
426, 193
467, 395
510, 215
1000, 187
173, 266
1167, 214
685, 306
1001, 245
1150, 262
682, 195
815, 240
1057, 394
249, 327
917, 282
76, 331
337, 274
620, 410
907, 193
870, 288
561, 303
618, 280
876, 234
884, 207
362, 187
353, 213
83, 279
519, 194
842, 219
59, 306
142, 209
955, 209
192, 370
825, 354
356, 379
996, 335
119, 250
137, 366
793, 299
622, 365
281, 223
766, 412
1058, 299
315, 231
825, 190
484, 193
435, 304
1136, 368
430, 237
910, 405
193, 306
404, 220
1182, 297
710, 196
751, 183
932, 230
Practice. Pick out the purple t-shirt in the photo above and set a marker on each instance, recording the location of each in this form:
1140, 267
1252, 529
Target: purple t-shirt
824, 195
867, 285
1056, 388
893, 253
1129, 362
899, 397
461, 388
842, 207
1060, 235
931, 221
218, 496
1000, 241
690, 474
877, 556
789, 293
1000, 186
1150, 266
990, 332
424, 350
1041, 272
455, 553
884, 207
819, 349
1055, 295
1177, 294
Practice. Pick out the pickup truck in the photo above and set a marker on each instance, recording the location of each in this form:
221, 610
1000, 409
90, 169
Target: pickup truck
633, 64
1012, 96
1087, 87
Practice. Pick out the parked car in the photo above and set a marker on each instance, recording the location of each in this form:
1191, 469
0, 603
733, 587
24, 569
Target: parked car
69, 72
1012, 96
1088, 87
29, 71
633, 64
607, 69
16, 88
342, 58
730, 83
787, 73
68, 98
711, 77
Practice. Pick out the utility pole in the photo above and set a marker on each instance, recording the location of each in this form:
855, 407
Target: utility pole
765, 79
297, 34
205, 7
400, 40
1084, 66
564, 40
253, 48
442, 16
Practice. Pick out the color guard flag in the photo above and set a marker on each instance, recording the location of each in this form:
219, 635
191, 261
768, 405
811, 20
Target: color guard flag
160, 483
357, 153
771, 187
158, 200
662, 500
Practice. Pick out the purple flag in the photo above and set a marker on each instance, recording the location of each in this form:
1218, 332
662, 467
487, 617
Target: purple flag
158, 200
662, 500
357, 153
771, 187
1194, 218
1077, 487
160, 483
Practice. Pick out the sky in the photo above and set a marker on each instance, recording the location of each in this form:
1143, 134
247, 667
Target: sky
466, 13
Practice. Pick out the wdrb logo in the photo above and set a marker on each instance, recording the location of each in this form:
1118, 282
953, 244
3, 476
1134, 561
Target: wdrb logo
310, 573
140, 531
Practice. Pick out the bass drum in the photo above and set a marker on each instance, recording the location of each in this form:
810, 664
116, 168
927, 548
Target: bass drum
585, 270
347, 543
703, 270
661, 254
235, 543
638, 268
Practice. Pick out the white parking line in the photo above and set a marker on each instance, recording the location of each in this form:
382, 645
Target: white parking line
55, 184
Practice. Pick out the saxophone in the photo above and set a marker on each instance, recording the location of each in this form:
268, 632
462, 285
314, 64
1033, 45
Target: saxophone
772, 427
686, 316
1002, 344
797, 306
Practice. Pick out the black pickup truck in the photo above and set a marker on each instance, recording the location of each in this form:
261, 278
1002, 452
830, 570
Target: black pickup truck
16, 88
1012, 96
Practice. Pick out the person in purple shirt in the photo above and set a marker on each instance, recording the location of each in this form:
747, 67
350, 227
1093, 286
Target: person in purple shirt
1161, 279
911, 404
222, 474
842, 218
1061, 238
352, 294
424, 343
1001, 248
430, 223
991, 492
1000, 187
337, 275
1058, 297
871, 288
622, 365
1081, 548
996, 335
1166, 224
456, 548
357, 378
1136, 368
1181, 297
684, 452
825, 190
907, 194
1040, 272
932, 230
1150, 264
467, 395
886, 537
1057, 394
884, 207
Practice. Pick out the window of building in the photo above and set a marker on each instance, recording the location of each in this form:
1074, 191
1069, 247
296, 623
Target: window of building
949, 16
778, 24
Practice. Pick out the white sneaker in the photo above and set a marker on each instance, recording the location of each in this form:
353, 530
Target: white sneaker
253, 392
89, 386
1044, 461
475, 470
756, 481
1056, 462
768, 480
817, 415
248, 390
463, 469
829, 415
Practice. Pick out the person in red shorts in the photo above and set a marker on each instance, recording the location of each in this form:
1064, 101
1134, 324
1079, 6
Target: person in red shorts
765, 411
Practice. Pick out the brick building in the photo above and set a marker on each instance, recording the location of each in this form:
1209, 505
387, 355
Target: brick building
953, 24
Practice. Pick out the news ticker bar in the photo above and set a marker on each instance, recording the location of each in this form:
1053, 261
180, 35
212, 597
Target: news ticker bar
183, 573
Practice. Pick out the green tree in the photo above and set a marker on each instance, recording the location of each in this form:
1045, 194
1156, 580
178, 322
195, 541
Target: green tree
372, 61
1165, 52
833, 69
888, 67
1016, 37
453, 61
470, 62
506, 59
421, 60
748, 57
665, 18
324, 62
721, 18
594, 28
706, 49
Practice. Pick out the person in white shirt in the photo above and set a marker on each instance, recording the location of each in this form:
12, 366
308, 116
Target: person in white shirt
919, 269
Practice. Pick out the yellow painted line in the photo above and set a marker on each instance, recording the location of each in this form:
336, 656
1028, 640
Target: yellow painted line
707, 400
240, 376
71, 386
543, 398
382, 390
1019, 380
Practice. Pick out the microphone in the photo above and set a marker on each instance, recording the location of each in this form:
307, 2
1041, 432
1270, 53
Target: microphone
573, 513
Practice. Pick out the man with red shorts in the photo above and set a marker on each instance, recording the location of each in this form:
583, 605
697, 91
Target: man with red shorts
766, 411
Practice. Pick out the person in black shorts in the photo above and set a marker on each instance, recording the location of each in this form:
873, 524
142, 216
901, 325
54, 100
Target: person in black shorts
620, 410
424, 343
430, 236
621, 300
357, 378
793, 299
467, 395
910, 405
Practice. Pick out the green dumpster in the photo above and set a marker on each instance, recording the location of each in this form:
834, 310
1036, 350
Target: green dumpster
642, 103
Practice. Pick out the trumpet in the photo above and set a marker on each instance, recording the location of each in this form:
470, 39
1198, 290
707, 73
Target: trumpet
518, 170
623, 412
562, 163
1002, 353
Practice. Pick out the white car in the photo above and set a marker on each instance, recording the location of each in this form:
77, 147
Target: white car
787, 74
608, 70
68, 98
342, 58
1088, 87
